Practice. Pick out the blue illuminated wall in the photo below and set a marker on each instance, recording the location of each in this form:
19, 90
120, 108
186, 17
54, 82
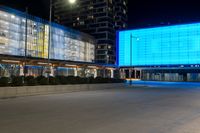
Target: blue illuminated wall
171, 45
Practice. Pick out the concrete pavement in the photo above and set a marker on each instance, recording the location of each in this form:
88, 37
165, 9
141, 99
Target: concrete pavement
129, 110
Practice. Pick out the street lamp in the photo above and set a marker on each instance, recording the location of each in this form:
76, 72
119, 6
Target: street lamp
72, 1
131, 41
25, 48
50, 21
50, 29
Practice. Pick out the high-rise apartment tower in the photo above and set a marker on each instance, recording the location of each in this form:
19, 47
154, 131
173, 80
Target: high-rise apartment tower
99, 18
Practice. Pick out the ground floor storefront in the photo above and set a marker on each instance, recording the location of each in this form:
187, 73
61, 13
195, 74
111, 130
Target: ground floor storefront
15, 66
162, 74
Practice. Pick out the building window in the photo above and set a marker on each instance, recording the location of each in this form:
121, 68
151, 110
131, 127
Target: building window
82, 23
124, 11
124, 2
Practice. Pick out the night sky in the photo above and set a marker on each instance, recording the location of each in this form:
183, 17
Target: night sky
142, 13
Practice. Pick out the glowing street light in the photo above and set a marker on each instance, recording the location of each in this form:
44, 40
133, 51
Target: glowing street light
72, 1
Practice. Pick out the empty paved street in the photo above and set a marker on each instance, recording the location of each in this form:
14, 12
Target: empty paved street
153, 109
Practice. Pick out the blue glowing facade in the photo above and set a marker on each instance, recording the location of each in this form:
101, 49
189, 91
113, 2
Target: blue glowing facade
170, 45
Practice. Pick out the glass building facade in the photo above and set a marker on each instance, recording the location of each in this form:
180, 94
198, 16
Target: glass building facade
66, 44
170, 45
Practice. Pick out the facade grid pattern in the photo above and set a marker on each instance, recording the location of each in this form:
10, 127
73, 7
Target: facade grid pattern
170, 45
67, 44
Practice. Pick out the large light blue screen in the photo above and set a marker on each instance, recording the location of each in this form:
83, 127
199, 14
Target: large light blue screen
171, 45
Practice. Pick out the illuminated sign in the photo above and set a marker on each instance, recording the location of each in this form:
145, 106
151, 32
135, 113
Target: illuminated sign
170, 45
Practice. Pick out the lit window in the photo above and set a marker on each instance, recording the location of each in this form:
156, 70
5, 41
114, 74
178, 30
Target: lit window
91, 7
6, 23
12, 16
91, 17
124, 11
82, 23
124, 2
124, 25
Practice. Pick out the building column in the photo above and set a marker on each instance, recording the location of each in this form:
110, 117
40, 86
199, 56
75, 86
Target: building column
120, 73
21, 70
123, 74
51, 71
130, 73
75, 72
135, 74
95, 73
112, 73
104, 72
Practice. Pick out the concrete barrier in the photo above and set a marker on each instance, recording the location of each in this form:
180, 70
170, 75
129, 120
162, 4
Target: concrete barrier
9, 92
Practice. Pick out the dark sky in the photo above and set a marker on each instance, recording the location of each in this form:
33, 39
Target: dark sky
142, 13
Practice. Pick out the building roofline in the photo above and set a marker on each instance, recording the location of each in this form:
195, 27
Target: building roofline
155, 27
38, 19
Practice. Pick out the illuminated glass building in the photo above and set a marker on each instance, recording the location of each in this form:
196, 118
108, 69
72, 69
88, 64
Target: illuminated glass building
21, 33
170, 53
67, 44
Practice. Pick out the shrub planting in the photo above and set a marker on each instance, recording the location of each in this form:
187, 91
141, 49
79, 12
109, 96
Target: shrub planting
4, 81
17, 81
58, 80
41, 80
62, 80
53, 81
30, 81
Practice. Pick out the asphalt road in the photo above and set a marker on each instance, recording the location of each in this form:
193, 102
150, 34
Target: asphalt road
155, 109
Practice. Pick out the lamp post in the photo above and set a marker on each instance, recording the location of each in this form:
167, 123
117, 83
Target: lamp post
131, 52
130, 70
50, 30
25, 48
